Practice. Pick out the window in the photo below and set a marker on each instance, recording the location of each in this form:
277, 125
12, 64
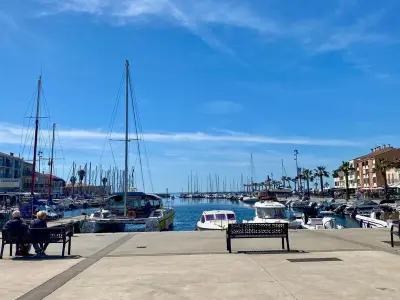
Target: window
202, 219
210, 217
230, 216
220, 217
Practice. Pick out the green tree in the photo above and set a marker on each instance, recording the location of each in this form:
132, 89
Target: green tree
321, 172
382, 166
289, 180
104, 182
81, 176
307, 175
346, 168
295, 180
73, 181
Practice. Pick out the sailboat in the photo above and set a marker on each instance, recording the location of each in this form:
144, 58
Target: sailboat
29, 203
128, 207
252, 198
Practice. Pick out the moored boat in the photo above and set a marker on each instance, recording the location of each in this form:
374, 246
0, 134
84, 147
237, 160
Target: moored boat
216, 220
272, 212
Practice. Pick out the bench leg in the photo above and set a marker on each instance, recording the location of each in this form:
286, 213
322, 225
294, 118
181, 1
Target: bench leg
69, 246
287, 243
391, 238
2, 249
11, 248
63, 250
228, 245
283, 243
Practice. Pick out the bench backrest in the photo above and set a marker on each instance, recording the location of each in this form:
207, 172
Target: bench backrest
258, 230
9, 237
51, 234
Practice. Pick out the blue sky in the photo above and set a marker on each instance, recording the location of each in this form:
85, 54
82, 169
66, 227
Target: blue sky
215, 81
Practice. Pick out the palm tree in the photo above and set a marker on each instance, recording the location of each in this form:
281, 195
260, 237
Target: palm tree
307, 175
382, 166
346, 168
289, 180
294, 180
73, 181
321, 172
81, 175
104, 181
316, 185
284, 179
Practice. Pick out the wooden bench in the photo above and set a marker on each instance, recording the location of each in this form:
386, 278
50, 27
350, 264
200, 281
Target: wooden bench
52, 235
257, 230
394, 230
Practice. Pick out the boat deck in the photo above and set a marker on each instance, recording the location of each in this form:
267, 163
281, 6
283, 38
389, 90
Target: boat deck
330, 264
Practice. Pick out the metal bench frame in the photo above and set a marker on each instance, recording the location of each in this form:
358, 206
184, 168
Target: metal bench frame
394, 230
257, 230
52, 235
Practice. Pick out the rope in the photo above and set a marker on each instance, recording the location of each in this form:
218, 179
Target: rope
113, 116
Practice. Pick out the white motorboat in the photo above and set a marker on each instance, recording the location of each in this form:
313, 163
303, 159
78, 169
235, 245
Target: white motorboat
324, 222
378, 219
216, 220
249, 200
272, 212
297, 204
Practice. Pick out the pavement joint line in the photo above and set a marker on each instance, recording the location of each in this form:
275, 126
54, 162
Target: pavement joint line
51, 285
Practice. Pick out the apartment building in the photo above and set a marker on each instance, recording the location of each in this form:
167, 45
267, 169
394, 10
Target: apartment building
16, 176
365, 176
10, 172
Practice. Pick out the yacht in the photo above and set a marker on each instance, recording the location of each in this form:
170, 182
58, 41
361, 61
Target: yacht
216, 220
272, 212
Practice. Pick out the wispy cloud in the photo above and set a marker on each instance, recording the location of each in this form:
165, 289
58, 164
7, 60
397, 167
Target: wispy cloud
323, 34
362, 31
11, 134
222, 107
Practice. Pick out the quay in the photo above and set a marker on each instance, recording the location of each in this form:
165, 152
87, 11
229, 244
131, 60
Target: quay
328, 264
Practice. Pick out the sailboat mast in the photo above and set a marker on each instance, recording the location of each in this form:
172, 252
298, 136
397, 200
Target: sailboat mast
36, 135
126, 134
51, 163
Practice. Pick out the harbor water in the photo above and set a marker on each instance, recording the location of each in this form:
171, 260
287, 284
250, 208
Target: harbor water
188, 212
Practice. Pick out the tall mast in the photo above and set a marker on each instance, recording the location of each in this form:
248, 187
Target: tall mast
39, 88
126, 134
51, 163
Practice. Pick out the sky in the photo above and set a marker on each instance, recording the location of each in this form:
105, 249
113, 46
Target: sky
214, 81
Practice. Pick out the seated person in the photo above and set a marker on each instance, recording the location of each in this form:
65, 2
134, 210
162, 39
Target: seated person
40, 223
18, 229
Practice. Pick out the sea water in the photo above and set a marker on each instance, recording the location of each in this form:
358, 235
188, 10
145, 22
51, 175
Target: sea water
188, 212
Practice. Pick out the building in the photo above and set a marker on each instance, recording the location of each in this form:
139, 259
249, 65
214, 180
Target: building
10, 172
42, 181
393, 176
340, 180
364, 175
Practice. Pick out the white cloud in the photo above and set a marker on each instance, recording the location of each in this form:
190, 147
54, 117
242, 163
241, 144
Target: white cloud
86, 139
318, 35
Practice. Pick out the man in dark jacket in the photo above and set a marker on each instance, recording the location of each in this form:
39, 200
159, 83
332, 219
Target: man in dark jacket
17, 228
40, 223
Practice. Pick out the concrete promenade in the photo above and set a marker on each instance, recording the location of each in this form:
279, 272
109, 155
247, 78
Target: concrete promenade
356, 264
